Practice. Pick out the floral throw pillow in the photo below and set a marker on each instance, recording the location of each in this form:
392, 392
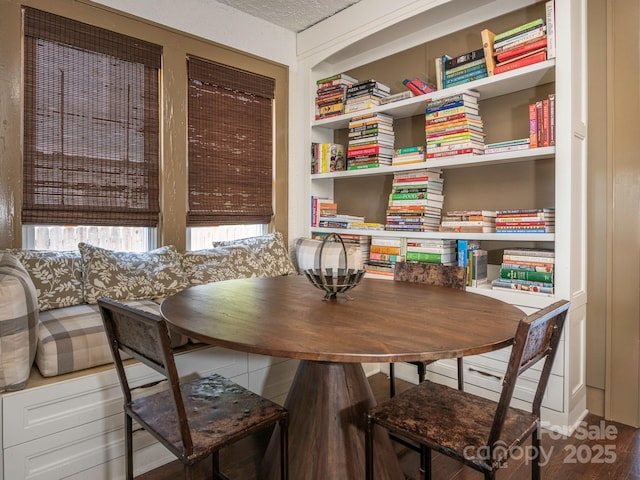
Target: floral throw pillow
57, 276
222, 263
130, 275
271, 251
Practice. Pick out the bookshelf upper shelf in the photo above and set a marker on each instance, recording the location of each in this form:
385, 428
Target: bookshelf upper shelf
502, 84
455, 161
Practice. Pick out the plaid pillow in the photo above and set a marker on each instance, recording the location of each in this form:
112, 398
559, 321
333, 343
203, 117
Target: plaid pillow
19, 323
130, 275
333, 255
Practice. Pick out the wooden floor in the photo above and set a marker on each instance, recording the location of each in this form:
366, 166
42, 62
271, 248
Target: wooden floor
611, 451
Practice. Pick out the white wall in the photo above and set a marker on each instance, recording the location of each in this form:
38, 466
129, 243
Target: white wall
216, 22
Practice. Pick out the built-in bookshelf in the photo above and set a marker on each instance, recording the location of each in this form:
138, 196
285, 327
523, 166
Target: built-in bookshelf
542, 177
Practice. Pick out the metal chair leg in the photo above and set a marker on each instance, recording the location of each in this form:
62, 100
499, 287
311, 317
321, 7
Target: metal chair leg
392, 380
284, 447
128, 445
368, 447
460, 374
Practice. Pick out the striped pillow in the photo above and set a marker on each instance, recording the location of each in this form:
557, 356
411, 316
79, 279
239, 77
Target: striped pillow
19, 323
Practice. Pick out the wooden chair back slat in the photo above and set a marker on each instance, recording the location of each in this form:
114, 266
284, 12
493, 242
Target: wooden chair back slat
536, 339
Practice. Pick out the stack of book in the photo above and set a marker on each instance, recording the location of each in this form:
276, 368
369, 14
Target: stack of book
453, 126
384, 252
408, 155
363, 95
371, 141
431, 251
520, 46
507, 146
338, 220
330, 95
542, 122
469, 221
463, 68
527, 269
532, 220
475, 259
415, 202
322, 207
327, 157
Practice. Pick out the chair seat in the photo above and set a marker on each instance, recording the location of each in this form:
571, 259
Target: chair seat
453, 422
234, 411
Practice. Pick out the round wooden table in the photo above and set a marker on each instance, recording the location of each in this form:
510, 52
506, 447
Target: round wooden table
386, 321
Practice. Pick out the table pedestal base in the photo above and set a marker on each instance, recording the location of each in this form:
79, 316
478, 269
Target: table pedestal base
327, 404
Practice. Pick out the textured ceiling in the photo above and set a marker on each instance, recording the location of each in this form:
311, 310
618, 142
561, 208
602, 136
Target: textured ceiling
295, 15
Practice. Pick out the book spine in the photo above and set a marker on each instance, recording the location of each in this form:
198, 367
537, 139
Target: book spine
472, 72
463, 59
477, 76
524, 48
527, 258
423, 86
545, 122
523, 62
462, 151
551, 28
449, 111
545, 277
533, 126
519, 29
407, 83
424, 257
413, 196
439, 72
539, 122
519, 39
506, 148
552, 119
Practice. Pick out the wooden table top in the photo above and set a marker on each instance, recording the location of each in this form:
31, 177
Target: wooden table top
387, 321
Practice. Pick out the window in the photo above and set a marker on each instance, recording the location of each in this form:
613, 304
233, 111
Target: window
230, 152
91, 132
202, 237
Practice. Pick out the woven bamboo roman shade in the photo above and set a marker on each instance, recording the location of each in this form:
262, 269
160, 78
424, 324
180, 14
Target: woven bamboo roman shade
230, 145
91, 125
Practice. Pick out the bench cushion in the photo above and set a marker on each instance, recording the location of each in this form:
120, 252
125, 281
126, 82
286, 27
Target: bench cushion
130, 275
18, 323
73, 338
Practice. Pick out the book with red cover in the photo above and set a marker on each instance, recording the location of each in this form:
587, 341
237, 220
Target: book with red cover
533, 126
522, 49
540, 56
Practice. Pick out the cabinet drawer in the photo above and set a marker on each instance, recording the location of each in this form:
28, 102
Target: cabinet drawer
485, 379
490, 380
97, 447
48, 409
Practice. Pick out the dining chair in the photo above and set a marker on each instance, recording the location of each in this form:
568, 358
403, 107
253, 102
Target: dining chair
476, 431
449, 276
194, 419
